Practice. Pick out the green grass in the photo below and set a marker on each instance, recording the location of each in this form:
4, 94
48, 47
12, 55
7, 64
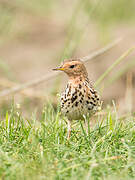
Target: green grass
38, 149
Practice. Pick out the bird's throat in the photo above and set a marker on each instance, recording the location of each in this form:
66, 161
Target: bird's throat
78, 80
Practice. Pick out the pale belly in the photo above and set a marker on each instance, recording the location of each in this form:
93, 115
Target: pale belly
75, 113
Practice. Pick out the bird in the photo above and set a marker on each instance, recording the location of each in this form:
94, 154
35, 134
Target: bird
79, 99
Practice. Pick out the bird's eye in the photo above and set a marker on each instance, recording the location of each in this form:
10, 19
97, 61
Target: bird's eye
72, 66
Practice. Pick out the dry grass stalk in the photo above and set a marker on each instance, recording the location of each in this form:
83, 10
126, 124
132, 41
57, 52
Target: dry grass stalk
19, 88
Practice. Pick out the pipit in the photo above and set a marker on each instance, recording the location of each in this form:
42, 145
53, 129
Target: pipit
80, 99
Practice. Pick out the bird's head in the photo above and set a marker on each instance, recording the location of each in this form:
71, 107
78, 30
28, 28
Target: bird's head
73, 68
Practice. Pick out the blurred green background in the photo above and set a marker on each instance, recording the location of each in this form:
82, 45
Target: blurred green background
35, 36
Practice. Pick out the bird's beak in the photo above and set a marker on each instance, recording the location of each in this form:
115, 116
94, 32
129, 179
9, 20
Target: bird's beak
58, 69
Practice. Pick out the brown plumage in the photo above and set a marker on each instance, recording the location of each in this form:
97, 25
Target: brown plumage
79, 98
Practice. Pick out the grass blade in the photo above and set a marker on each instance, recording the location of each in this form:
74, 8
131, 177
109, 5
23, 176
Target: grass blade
121, 58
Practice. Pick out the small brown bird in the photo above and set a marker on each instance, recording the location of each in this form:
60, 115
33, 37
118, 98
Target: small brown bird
79, 99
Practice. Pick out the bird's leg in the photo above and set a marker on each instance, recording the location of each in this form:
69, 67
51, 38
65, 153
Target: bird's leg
87, 125
69, 129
